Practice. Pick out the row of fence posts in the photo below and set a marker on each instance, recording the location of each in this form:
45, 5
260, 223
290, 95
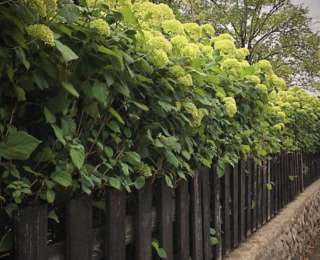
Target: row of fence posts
235, 206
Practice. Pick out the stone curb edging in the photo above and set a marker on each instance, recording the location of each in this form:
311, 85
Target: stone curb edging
285, 237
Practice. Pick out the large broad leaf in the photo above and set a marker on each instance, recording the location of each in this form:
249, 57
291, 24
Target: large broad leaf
64, 178
18, 145
70, 88
77, 155
66, 52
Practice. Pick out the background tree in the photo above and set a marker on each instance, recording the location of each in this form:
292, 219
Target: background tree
275, 30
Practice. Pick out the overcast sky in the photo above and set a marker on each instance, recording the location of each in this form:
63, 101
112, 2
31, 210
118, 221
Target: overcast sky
314, 8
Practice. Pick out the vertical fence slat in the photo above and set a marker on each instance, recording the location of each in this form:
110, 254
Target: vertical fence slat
254, 199
205, 183
143, 223
249, 196
226, 243
216, 197
115, 245
165, 219
264, 192
259, 197
182, 219
269, 192
242, 200
31, 229
235, 205
196, 219
79, 228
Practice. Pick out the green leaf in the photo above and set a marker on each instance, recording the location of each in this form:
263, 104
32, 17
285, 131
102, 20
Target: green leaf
141, 106
70, 12
108, 151
59, 134
133, 158
115, 183
50, 118
160, 251
100, 92
129, 17
116, 115
20, 93
125, 168
77, 155
50, 196
171, 158
70, 88
18, 145
6, 241
67, 54
139, 183
169, 181
214, 241
53, 215
62, 177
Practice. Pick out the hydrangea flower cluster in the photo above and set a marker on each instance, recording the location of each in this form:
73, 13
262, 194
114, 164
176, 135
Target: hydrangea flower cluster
41, 32
230, 106
101, 26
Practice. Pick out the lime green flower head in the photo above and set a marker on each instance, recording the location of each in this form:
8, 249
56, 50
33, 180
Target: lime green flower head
242, 53
179, 41
263, 88
172, 27
191, 51
278, 126
254, 79
230, 106
244, 64
41, 32
95, 3
159, 58
207, 30
225, 46
231, 64
152, 15
177, 71
101, 26
223, 36
116, 4
279, 83
39, 6
186, 80
245, 149
159, 42
265, 66
193, 31
206, 50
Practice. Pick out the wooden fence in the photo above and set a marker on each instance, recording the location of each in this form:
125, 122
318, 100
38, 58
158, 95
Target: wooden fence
235, 206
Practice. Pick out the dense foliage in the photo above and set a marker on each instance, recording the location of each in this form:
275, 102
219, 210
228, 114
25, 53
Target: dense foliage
109, 93
277, 30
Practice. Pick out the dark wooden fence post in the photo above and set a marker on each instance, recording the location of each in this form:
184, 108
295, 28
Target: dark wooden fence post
196, 219
226, 233
216, 212
143, 223
182, 220
206, 213
31, 229
115, 237
242, 200
165, 218
79, 228
235, 206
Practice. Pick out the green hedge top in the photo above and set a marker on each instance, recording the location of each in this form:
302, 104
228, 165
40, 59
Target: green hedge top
109, 93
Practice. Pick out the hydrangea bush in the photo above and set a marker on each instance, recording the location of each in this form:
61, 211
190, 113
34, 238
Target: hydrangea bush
110, 93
